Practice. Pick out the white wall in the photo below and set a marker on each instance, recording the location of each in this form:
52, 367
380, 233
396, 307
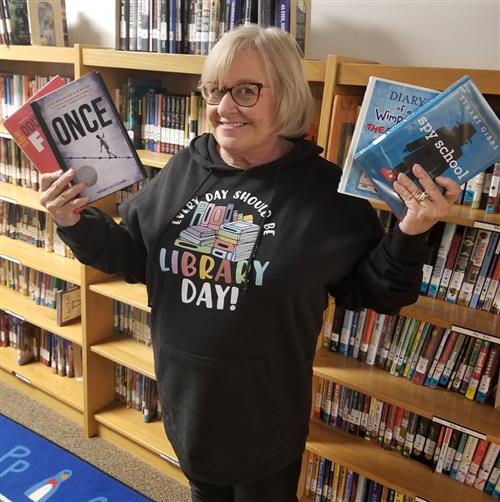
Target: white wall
454, 33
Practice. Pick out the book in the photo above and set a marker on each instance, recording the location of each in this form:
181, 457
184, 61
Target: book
455, 134
19, 23
385, 104
494, 192
86, 134
47, 20
68, 305
25, 130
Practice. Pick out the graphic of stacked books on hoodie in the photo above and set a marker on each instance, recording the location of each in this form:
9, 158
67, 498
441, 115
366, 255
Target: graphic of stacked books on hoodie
215, 233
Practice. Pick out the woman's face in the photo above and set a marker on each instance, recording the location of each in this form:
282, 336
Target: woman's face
245, 131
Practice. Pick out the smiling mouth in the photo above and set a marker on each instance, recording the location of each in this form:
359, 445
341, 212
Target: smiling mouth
232, 124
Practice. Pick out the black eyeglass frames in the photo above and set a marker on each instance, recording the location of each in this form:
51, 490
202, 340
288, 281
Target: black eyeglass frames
243, 94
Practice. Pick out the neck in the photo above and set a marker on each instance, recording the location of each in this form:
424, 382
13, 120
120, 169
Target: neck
274, 151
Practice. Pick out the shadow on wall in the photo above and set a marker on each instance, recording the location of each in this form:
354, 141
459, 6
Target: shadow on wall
84, 31
334, 36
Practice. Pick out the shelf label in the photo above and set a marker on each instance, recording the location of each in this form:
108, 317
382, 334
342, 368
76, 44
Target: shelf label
13, 314
8, 199
169, 459
13, 260
460, 428
475, 334
21, 377
487, 226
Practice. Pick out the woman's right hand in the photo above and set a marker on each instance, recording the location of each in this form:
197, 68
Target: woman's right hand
60, 198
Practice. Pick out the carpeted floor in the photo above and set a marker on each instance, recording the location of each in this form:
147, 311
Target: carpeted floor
110, 459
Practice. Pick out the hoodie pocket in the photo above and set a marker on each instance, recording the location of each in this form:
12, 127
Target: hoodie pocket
224, 416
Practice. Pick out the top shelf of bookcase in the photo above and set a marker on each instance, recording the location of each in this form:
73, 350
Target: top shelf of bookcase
172, 63
488, 81
38, 54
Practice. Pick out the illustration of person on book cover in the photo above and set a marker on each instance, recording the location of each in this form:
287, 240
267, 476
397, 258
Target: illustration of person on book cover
427, 153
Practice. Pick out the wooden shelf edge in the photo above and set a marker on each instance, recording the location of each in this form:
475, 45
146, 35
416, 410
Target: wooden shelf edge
116, 288
387, 467
21, 195
38, 54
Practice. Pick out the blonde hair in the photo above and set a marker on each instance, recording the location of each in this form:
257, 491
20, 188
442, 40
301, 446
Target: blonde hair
283, 67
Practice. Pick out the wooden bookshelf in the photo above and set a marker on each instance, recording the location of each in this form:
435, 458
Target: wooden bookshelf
387, 467
447, 315
154, 159
33, 53
67, 390
43, 317
21, 195
401, 392
128, 352
116, 288
29, 255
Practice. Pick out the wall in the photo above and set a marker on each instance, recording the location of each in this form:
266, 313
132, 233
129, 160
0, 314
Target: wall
454, 33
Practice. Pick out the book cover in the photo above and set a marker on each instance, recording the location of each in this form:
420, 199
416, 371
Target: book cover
27, 133
68, 305
455, 134
385, 104
86, 134
19, 23
47, 22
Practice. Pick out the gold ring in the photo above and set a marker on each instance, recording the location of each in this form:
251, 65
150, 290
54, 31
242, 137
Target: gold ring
422, 197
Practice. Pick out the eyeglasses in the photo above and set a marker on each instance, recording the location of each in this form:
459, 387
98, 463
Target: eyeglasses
243, 94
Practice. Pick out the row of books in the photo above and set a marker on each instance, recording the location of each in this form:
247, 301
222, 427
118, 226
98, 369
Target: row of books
458, 360
17, 88
127, 193
137, 391
15, 167
131, 321
193, 26
460, 453
42, 288
33, 22
463, 264
328, 481
34, 344
33, 227
482, 191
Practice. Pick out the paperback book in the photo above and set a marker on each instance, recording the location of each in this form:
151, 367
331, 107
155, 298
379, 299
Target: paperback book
86, 134
455, 134
385, 104
27, 133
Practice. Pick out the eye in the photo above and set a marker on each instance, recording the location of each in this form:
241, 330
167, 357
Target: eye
246, 90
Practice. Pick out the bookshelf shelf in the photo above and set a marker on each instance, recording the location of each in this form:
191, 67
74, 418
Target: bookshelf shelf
386, 467
38, 315
434, 78
38, 54
116, 288
406, 394
129, 423
172, 63
446, 314
67, 269
128, 352
67, 390
461, 215
154, 159
21, 195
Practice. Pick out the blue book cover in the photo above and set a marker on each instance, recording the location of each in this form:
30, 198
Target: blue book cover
455, 134
385, 104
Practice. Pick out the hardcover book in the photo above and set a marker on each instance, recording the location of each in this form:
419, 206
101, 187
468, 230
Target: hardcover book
27, 133
86, 134
455, 134
385, 104
47, 20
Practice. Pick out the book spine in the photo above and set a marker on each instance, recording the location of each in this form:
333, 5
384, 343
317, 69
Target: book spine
494, 192
489, 373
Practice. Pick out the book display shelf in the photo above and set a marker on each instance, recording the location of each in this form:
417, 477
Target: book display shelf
92, 403
384, 466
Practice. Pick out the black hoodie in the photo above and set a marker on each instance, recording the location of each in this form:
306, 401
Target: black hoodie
238, 264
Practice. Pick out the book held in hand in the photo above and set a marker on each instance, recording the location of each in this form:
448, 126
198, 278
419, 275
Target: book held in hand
455, 134
25, 130
385, 104
86, 134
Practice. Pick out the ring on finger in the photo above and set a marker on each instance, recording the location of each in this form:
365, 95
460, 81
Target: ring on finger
421, 197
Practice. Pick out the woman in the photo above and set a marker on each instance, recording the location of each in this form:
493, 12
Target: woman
239, 240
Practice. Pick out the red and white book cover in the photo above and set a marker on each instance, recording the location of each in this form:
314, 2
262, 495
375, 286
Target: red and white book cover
25, 130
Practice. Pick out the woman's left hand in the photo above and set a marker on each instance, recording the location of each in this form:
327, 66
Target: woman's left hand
424, 209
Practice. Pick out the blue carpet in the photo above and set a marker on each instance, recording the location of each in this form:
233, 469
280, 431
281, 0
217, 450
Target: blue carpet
35, 469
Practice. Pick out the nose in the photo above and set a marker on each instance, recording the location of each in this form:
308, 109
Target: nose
227, 104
